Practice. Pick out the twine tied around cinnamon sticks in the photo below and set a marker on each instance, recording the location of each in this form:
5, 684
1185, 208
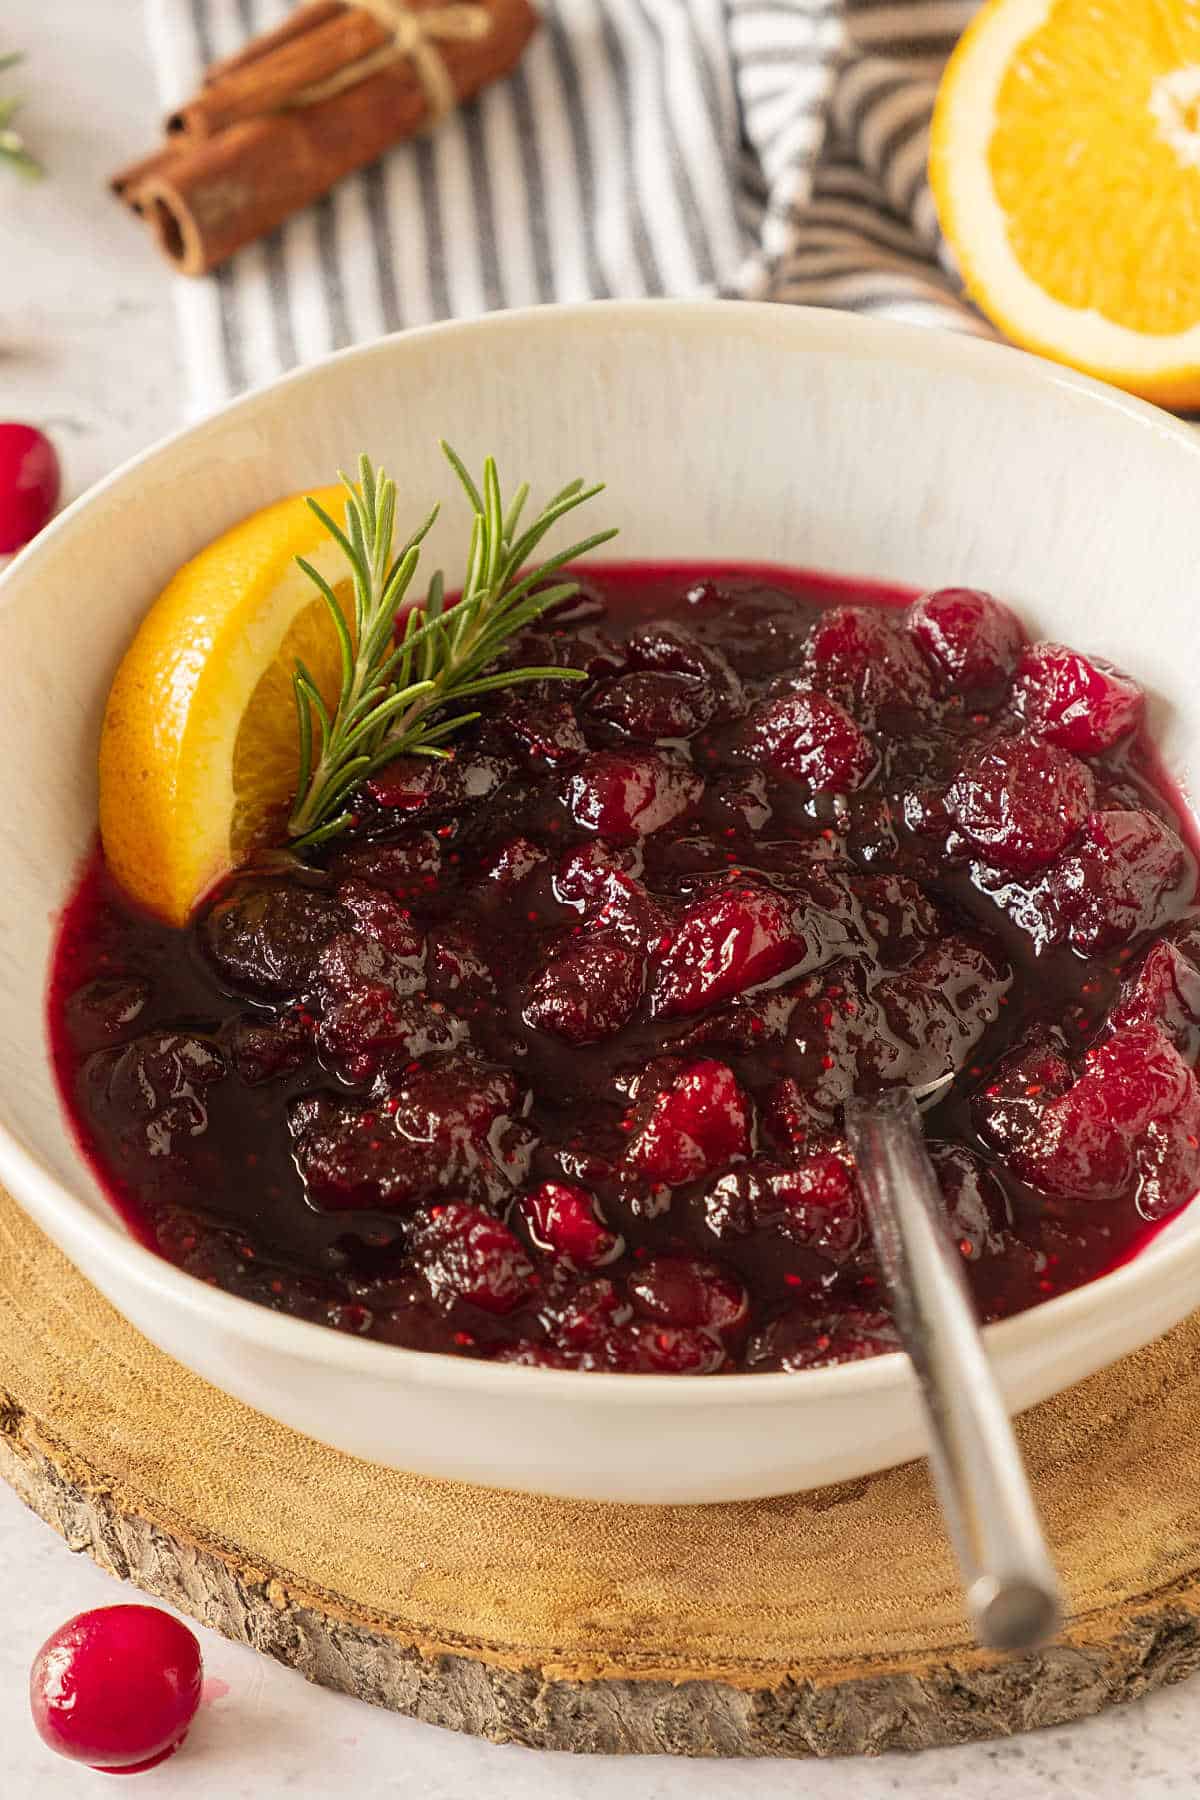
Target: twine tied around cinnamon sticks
275, 126
414, 35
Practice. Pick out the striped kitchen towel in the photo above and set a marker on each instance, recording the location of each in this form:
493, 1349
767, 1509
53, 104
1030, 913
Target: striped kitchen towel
764, 149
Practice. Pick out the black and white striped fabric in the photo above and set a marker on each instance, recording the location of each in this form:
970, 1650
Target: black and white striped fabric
767, 149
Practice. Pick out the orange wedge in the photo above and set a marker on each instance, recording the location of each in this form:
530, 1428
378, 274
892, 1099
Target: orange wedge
199, 752
1065, 166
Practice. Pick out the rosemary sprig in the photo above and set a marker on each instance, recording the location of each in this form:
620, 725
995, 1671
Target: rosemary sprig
401, 691
12, 145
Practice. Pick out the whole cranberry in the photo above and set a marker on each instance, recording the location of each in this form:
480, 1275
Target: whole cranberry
563, 1219
116, 1688
813, 739
1080, 702
30, 480
861, 659
970, 641
1021, 802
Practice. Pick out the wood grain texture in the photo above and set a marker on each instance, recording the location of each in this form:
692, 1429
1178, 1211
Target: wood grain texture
824, 1623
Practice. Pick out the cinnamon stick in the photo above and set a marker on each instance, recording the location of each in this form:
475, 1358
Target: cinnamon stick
305, 18
269, 83
247, 151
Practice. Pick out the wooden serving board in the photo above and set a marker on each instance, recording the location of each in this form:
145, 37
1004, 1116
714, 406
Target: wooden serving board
821, 1623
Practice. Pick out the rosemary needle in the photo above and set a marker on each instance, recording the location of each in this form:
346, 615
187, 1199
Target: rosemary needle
403, 689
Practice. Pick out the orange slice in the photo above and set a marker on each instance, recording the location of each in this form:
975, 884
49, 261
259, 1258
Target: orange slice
1065, 165
199, 751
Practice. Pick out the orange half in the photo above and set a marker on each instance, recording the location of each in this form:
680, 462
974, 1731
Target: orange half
1065, 166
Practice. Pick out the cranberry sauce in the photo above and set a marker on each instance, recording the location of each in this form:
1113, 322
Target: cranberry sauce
545, 1061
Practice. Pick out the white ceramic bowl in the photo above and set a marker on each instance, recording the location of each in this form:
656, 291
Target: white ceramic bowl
724, 431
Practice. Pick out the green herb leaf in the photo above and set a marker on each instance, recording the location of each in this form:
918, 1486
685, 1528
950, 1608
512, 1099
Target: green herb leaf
12, 146
403, 685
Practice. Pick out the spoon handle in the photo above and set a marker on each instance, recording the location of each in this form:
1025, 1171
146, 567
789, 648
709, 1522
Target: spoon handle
1012, 1592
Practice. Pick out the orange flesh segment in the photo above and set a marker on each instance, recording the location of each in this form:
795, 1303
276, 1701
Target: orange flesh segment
1092, 152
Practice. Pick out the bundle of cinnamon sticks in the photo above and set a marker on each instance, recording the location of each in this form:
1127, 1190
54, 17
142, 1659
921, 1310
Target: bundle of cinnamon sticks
276, 126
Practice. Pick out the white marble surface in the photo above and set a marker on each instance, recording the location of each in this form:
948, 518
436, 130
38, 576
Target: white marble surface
87, 349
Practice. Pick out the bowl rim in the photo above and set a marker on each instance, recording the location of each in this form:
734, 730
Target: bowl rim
818, 330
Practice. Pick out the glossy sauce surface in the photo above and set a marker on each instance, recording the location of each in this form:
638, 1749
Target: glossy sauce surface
546, 1061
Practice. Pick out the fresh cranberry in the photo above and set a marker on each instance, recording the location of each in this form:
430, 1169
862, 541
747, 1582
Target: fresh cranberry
588, 990
813, 739
694, 1121
30, 480
623, 796
1021, 802
1123, 877
729, 941
563, 1220
970, 641
116, 1688
859, 657
466, 1254
1080, 702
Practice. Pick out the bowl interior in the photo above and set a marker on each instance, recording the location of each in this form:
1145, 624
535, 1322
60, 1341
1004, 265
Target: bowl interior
723, 431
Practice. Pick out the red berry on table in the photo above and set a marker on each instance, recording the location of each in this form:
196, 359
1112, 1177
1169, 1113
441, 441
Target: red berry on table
116, 1688
30, 480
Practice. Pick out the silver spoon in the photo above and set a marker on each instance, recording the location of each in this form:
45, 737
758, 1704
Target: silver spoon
1011, 1588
